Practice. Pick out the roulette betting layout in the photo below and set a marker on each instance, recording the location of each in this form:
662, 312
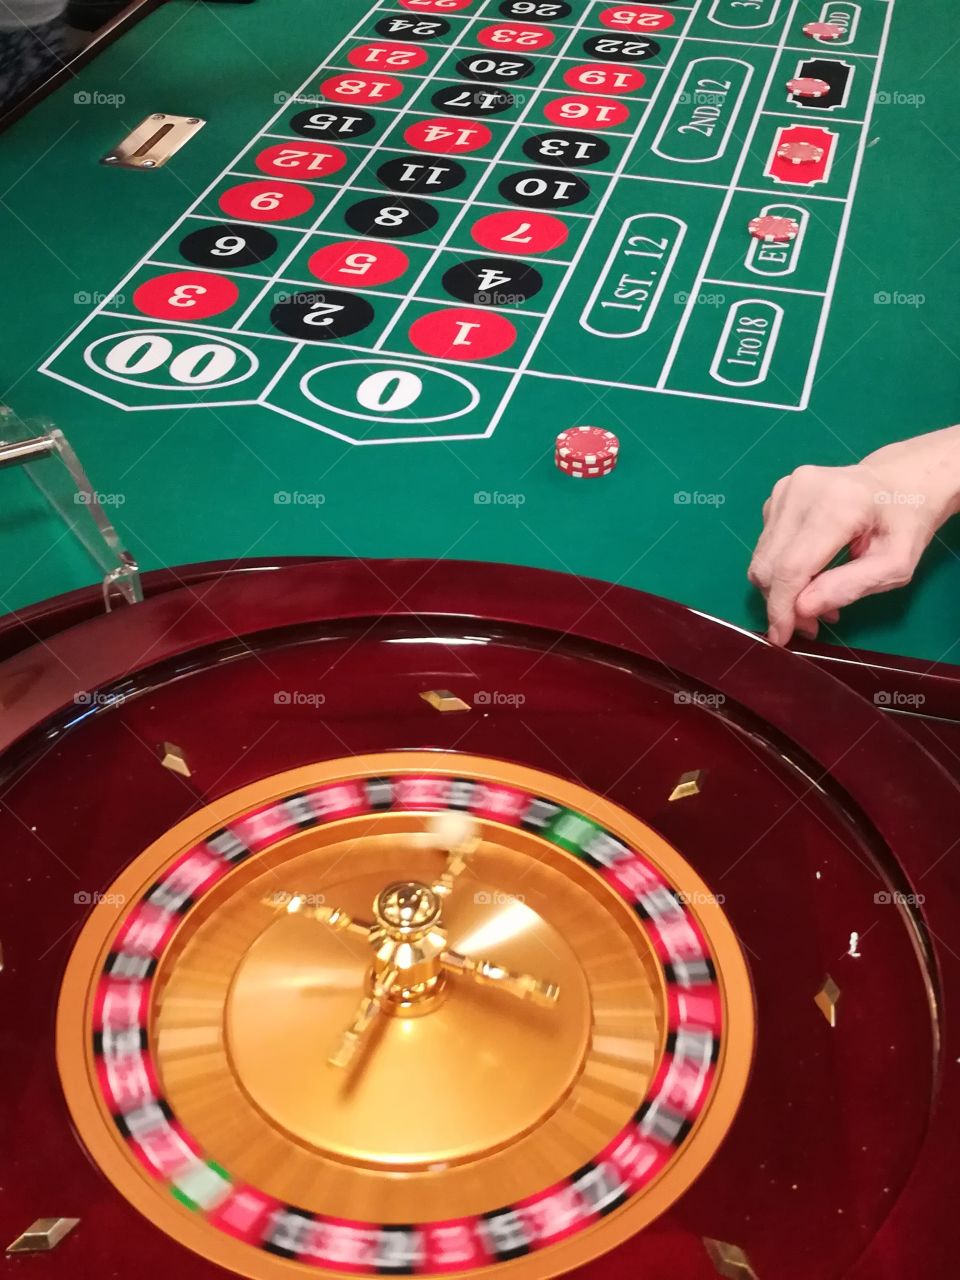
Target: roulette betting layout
489, 154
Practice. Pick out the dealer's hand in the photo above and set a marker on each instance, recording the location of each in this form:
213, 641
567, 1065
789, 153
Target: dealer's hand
885, 510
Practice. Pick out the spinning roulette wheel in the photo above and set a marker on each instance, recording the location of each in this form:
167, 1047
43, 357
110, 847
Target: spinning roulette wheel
399, 918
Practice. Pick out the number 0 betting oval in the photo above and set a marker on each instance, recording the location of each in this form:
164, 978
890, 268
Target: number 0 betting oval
409, 1013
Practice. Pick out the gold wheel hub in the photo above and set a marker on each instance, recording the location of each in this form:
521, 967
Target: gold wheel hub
322, 1037
441, 1081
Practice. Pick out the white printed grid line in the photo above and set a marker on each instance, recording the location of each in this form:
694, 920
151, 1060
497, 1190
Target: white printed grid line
797, 118
467, 21
338, 235
721, 218
358, 289
582, 247
756, 286
491, 164
400, 151
378, 4
205, 326
430, 115
847, 212
389, 192
416, 359
509, 86
847, 201
349, 185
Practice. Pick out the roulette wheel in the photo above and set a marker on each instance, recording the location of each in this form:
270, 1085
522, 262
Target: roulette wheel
395, 918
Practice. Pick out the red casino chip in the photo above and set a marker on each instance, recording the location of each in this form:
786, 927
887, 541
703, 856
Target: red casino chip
823, 31
387, 56
584, 470
515, 38
303, 159
587, 447
447, 136
266, 201
366, 87
808, 87
800, 152
462, 333
586, 113
636, 17
185, 295
519, 232
361, 263
603, 77
773, 229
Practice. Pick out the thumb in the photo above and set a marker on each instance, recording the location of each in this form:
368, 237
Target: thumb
881, 569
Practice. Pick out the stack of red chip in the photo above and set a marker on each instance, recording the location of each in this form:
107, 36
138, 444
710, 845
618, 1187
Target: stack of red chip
586, 452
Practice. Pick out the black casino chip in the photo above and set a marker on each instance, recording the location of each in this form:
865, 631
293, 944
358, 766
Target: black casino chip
320, 316
421, 175
391, 217
228, 244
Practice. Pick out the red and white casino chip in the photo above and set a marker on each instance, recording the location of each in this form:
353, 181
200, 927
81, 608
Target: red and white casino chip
587, 446
823, 30
773, 229
800, 152
808, 87
583, 470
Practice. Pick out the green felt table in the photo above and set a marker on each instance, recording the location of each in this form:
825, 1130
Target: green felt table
362, 430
